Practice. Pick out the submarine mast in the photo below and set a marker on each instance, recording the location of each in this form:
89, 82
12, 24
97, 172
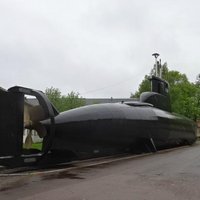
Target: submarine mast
159, 95
158, 66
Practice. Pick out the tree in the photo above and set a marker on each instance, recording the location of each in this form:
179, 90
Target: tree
72, 100
54, 96
62, 102
198, 80
144, 86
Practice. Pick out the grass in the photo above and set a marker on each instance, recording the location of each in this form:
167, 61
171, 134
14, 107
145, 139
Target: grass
36, 146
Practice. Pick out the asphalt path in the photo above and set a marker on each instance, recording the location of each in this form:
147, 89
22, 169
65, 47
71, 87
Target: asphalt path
172, 175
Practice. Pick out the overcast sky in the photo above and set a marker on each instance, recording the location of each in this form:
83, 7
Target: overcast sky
99, 48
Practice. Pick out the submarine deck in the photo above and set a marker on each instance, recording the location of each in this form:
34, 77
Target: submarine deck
166, 175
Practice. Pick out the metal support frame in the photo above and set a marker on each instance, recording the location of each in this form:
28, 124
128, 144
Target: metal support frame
49, 109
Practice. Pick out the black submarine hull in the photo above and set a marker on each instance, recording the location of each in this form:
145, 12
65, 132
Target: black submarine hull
106, 129
90, 131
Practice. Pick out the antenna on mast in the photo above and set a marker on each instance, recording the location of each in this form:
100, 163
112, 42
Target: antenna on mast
161, 68
157, 65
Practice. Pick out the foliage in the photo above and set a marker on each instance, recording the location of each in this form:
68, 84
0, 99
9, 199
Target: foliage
54, 96
64, 102
72, 100
198, 80
144, 86
184, 95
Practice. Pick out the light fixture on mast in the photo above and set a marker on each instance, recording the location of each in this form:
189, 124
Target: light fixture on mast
156, 62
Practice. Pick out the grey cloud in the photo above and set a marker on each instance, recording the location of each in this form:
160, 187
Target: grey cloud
89, 45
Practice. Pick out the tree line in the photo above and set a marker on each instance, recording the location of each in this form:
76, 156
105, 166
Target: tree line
64, 102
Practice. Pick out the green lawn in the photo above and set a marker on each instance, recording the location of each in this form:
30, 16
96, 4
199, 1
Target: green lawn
37, 146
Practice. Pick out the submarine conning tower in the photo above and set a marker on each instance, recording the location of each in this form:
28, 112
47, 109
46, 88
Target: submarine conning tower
159, 95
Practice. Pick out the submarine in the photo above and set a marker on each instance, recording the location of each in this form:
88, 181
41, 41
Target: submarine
105, 129
91, 131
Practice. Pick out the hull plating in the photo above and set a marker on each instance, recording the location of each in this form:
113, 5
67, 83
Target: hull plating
116, 128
